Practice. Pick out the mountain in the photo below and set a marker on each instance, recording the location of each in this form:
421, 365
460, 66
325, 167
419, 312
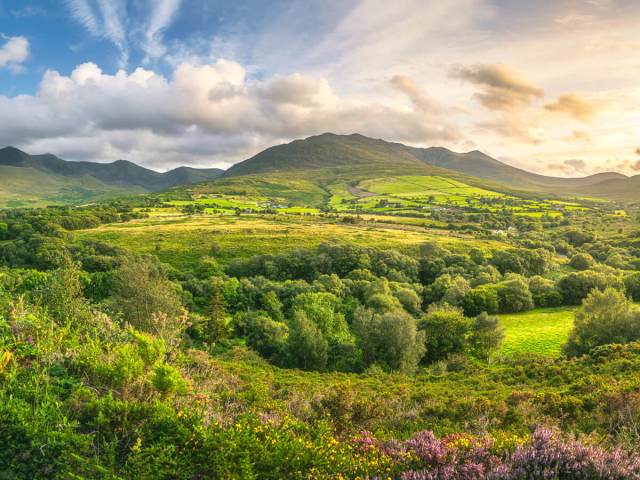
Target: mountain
359, 153
325, 151
35, 180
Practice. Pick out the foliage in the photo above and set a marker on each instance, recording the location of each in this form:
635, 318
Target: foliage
605, 317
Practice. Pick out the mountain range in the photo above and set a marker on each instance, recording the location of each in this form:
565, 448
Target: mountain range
34, 180
354, 151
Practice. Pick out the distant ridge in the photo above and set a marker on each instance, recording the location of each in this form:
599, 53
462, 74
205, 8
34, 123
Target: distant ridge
330, 151
27, 180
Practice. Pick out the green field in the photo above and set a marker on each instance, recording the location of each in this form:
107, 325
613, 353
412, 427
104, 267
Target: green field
182, 240
541, 331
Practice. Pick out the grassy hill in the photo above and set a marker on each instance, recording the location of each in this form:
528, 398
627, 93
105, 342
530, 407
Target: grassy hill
359, 155
36, 180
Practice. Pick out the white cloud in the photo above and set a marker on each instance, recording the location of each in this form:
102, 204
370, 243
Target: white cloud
162, 15
111, 20
28, 11
105, 19
13, 53
208, 113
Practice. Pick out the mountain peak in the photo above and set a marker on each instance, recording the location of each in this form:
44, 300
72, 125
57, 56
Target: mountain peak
13, 157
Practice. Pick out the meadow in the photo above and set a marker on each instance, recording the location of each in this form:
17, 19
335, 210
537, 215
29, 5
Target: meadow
182, 240
538, 332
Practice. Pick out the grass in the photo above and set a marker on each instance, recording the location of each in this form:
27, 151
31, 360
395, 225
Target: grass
181, 240
541, 331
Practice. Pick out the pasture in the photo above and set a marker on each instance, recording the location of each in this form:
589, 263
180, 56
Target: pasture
540, 331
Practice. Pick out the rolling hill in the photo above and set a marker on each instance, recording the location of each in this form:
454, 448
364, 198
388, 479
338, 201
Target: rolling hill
36, 180
363, 154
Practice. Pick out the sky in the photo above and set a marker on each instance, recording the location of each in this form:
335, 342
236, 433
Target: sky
551, 86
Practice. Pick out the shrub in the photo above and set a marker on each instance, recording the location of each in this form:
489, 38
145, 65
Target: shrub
390, 339
575, 287
167, 379
582, 261
481, 299
446, 332
605, 317
514, 296
486, 336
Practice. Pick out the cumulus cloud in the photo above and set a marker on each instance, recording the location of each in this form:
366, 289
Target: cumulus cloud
203, 113
573, 105
501, 88
13, 53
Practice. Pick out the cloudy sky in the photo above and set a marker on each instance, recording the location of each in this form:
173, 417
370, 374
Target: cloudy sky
552, 86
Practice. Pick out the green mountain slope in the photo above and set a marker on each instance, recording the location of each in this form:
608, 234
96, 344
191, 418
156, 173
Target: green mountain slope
343, 155
36, 180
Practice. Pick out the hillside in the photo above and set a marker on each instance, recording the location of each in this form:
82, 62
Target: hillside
368, 156
34, 180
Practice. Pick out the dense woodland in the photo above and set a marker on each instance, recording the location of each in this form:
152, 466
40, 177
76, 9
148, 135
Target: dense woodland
334, 361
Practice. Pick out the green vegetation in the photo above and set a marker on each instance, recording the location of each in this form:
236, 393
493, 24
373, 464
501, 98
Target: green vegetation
540, 331
357, 323
41, 180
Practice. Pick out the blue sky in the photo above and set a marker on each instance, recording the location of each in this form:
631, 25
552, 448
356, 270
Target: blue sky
550, 86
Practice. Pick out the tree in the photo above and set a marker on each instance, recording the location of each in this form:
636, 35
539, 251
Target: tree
486, 336
632, 285
446, 332
322, 309
390, 339
582, 261
142, 290
515, 296
63, 294
264, 335
307, 348
481, 299
605, 317
544, 292
575, 286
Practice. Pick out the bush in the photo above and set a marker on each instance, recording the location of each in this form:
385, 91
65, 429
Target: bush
575, 287
632, 286
306, 347
582, 261
544, 292
514, 296
486, 336
446, 332
390, 339
481, 299
604, 318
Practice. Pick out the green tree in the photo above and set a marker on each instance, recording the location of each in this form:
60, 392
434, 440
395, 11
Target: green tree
264, 335
322, 309
515, 296
605, 317
446, 331
544, 292
486, 336
142, 290
481, 299
307, 347
632, 286
390, 339
582, 261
